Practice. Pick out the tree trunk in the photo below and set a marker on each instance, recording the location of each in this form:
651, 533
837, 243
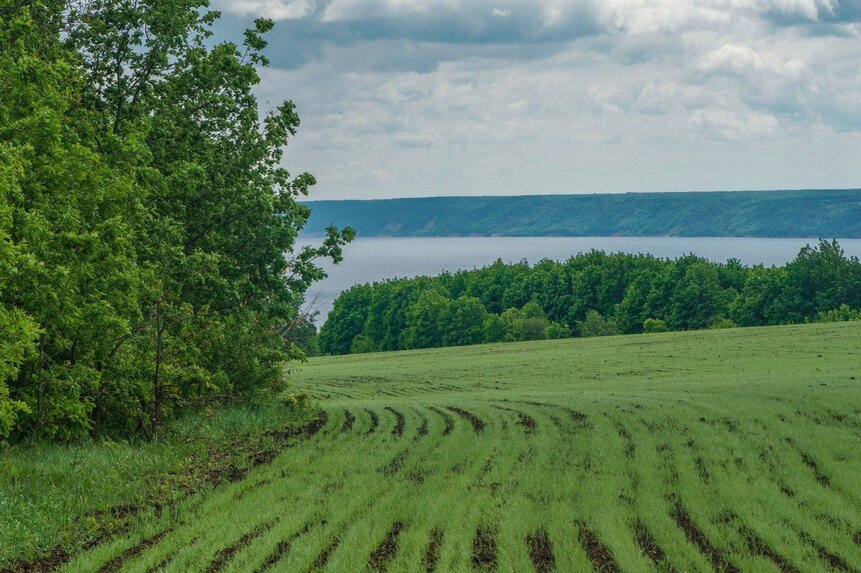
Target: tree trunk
155, 421
40, 393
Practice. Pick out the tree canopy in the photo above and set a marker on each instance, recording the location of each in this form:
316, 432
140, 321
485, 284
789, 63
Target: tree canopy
147, 227
592, 294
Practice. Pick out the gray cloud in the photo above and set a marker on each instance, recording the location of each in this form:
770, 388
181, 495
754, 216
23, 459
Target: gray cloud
447, 32
423, 97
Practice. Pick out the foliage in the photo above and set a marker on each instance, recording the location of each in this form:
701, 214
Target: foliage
592, 294
596, 325
427, 320
724, 323
145, 218
697, 298
654, 325
556, 330
362, 344
346, 319
842, 314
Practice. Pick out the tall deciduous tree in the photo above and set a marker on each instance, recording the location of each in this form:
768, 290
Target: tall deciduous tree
147, 223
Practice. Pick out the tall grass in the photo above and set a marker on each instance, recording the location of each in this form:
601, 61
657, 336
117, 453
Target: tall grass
66, 494
727, 450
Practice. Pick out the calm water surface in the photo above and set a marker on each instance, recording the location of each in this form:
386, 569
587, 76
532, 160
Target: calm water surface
375, 259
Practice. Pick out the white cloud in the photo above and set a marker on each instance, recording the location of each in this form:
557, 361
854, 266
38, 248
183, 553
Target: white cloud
638, 16
670, 95
274, 9
346, 10
733, 125
737, 59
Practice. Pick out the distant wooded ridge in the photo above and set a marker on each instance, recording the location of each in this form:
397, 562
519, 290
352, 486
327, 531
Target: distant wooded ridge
800, 213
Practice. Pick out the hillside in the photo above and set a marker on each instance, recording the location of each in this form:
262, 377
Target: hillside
809, 213
733, 450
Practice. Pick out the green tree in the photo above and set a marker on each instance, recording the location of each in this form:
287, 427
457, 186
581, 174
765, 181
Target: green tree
362, 344
493, 329
463, 322
72, 217
426, 320
533, 328
146, 217
630, 313
596, 325
762, 299
821, 278
346, 320
556, 330
697, 299
224, 211
632, 293
512, 321
388, 314
534, 321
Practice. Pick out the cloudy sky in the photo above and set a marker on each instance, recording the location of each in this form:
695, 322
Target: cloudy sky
406, 98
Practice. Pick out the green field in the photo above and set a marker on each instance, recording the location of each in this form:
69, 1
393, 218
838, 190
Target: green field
698, 451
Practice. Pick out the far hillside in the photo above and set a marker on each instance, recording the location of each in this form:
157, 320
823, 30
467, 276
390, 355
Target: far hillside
805, 213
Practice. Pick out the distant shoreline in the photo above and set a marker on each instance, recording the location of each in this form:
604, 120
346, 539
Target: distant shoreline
417, 237
826, 213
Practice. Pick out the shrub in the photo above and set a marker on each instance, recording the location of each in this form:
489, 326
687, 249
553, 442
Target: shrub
844, 313
533, 328
596, 325
724, 323
654, 325
362, 344
493, 329
557, 330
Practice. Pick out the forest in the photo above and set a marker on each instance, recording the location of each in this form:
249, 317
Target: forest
801, 213
144, 219
592, 294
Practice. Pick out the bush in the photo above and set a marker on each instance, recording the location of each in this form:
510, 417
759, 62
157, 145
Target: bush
596, 325
557, 330
527, 323
493, 329
362, 344
654, 325
533, 328
842, 314
724, 323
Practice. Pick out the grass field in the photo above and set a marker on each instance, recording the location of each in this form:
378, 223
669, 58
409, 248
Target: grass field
58, 497
733, 450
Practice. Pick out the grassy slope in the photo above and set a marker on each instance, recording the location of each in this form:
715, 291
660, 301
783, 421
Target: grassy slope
59, 497
736, 449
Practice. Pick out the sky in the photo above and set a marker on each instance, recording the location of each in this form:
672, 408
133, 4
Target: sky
408, 98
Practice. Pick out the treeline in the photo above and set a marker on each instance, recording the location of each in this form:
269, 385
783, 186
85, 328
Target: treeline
592, 294
144, 218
